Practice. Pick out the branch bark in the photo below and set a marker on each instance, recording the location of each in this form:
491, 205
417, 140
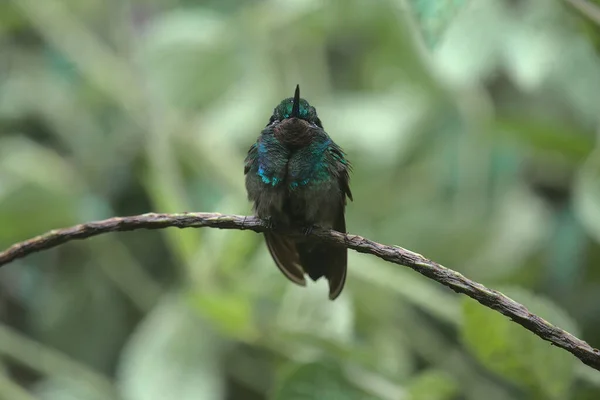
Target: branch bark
397, 255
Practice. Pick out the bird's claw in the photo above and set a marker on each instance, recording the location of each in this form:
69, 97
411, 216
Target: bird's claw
307, 230
268, 222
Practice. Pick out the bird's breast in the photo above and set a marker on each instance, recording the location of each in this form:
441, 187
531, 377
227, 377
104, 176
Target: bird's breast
294, 133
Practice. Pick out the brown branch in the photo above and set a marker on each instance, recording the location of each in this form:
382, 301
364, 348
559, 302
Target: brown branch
397, 255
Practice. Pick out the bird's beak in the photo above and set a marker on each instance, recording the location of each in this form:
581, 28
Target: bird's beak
296, 103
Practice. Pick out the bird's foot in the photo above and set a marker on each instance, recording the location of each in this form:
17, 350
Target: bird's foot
307, 230
268, 222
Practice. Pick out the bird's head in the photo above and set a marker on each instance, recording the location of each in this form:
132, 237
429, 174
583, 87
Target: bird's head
295, 108
295, 122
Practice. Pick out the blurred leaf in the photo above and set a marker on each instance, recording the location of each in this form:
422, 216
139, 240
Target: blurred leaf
435, 16
166, 188
373, 123
586, 195
546, 136
430, 343
190, 57
577, 78
520, 228
172, 355
11, 390
65, 31
10, 19
532, 45
48, 361
35, 163
567, 253
79, 300
515, 353
390, 353
432, 385
305, 310
318, 380
31, 171
66, 389
230, 313
411, 287
26, 221
472, 46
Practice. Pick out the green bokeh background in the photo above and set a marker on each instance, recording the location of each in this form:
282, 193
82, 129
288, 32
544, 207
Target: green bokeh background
472, 127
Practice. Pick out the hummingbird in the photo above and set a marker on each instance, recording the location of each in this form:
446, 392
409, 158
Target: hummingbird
296, 175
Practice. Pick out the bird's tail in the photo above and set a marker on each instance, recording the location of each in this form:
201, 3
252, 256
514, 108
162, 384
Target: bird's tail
322, 259
285, 254
319, 259
296, 257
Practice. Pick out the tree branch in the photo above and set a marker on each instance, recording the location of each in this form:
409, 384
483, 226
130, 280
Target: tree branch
397, 255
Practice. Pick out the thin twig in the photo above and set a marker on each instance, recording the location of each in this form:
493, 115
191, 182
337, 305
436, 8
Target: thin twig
397, 255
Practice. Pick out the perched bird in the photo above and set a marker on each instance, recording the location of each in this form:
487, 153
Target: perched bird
297, 176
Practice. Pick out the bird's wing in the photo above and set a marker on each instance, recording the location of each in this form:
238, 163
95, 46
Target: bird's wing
251, 158
342, 168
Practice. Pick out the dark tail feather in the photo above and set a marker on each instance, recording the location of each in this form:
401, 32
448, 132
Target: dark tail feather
325, 260
320, 259
284, 253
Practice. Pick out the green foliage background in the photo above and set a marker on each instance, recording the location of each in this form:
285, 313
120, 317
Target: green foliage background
472, 126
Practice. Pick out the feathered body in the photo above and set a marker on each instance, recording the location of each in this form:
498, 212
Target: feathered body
297, 176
